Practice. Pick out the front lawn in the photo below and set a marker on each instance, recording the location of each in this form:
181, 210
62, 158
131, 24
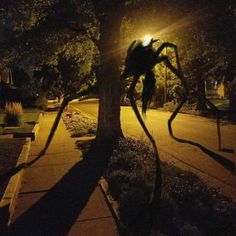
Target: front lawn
29, 115
29, 118
221, 104
9, 152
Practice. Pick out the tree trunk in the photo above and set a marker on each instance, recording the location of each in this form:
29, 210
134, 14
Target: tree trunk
201, 94
109, 126
232, 100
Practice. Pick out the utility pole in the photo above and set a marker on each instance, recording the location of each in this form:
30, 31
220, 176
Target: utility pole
165, 82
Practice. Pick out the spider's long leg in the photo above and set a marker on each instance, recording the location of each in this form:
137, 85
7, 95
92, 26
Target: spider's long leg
178, 72
158, 181
65, 102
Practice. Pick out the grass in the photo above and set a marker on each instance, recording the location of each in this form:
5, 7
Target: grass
221, 104
9, 152
187, 108
29, 118
11, 148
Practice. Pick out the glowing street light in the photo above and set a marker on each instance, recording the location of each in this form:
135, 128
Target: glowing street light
147, 39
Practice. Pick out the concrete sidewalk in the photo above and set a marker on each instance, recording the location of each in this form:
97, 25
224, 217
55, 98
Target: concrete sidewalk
59, 193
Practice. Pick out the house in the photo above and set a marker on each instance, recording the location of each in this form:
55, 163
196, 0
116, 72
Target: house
6, 76
8, 92
216, 89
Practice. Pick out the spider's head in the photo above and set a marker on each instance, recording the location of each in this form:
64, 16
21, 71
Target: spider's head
149, 41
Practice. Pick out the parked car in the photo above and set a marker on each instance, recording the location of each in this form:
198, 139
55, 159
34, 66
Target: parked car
53, 104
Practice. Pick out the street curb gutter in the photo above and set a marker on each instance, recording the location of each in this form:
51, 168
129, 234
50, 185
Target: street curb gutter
104, 187
8, 201
32, 135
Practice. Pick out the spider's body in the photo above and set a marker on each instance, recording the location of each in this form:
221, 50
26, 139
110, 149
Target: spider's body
139, 60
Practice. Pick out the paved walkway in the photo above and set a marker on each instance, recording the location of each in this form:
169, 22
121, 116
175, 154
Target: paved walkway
59, 193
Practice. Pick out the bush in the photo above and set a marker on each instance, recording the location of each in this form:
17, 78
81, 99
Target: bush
188, 206
190, 108
83, 131
14, 113
130, 175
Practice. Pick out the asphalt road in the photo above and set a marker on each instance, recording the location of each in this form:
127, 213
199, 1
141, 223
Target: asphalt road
210, 162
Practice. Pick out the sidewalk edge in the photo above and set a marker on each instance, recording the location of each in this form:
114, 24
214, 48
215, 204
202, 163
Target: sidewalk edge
8, 201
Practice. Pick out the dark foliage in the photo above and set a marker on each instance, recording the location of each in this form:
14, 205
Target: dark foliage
188, 206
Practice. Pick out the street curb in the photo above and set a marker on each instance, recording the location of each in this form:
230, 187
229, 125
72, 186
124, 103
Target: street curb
32, 135
104, 187
8, 201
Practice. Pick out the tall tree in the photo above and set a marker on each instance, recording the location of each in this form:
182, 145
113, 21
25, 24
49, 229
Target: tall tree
110, 17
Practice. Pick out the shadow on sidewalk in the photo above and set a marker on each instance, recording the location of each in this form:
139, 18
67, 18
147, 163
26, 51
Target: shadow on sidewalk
58, 209
227, 164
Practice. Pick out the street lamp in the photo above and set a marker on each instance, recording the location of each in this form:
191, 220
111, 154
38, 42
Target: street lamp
165, 83
146, 40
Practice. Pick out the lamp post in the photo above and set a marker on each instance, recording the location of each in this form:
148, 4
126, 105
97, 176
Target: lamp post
165, 82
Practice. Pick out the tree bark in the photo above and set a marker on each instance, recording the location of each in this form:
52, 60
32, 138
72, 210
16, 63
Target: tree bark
109, 125
201, 94
232, 100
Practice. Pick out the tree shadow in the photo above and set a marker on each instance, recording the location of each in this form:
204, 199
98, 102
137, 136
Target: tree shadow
228, 164
58, 209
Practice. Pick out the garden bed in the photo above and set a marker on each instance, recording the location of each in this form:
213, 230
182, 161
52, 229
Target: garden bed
10, 150
78, 124
188, 206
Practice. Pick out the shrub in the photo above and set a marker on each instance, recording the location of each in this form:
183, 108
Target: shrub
190, 108
130, 175
188, 206
83, 131
13, 112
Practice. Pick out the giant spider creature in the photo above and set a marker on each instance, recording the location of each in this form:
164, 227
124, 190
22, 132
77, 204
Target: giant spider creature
140, 60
